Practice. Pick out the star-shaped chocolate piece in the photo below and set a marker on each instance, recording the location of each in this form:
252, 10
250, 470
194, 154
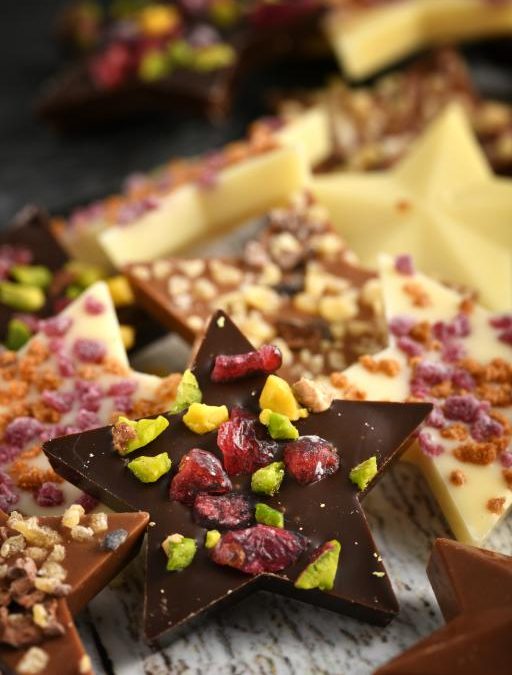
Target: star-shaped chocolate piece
52, 567
474, 590
321, 511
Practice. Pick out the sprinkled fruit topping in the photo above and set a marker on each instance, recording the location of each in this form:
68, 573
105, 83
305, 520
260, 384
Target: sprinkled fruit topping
188, 392
321, 571
268, 479
279, 426
362, 474
201, 418
22, 298
310, 459
113, 540
259, 549
267, 359
129, 435
199, 471
212, 538
243, 443
18, 334
277, 396
31, 275
150, 469
180, 552
266, 515
226, 511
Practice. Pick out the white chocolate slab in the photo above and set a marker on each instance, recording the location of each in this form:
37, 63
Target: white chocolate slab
442, 204
310, 132
465, 506
370, 39
104, 328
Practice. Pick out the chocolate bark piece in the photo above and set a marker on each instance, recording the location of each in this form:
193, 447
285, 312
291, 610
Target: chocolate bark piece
327, 509
50, 571
474, 590
296, 284
172, 56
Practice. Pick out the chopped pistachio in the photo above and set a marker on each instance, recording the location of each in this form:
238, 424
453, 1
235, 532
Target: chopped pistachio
268, 479
22, 298
180, 552
212, 538
364, 473
188, 392
32, 275
180, 53
213, 57
322, 571
266, 515
224, 14
154, 65
201, 418
144, 431
18, 334
277, 396
279, 426
150, 469
84, 275
73, 291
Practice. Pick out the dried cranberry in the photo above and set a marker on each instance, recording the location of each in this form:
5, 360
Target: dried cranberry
109, 69
199, 471
259, 549
49, 495
244, 443
228, 511
89, 503
267, 359
89, 351
311, 458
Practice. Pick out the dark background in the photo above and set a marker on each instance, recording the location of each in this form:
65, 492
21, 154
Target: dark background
38, 166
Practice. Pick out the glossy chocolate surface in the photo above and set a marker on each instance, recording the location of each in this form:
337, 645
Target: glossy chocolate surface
321, 511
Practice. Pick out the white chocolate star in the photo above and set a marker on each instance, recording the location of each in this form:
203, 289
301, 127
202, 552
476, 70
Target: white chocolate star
442, 203
367, 40
473, 496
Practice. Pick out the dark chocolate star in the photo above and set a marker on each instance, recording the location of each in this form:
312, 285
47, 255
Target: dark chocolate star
474, 590
328, 509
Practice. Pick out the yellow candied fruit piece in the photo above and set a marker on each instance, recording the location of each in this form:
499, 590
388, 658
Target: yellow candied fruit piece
120, 290
158, 20
277, 396
127, 335
201, 418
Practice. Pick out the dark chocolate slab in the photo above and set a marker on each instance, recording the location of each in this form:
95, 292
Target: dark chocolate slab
322, 511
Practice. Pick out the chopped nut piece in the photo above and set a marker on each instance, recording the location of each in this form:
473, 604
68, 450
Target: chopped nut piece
33, 662
12, 545
72, 515
81, 533
496, 505
98, 522
85, 665
40, 615
58, 553
36, 553
52, 569
476, 453
457, 477
314, 396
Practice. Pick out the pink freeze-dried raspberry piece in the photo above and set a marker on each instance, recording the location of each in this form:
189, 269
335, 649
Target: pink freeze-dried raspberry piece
310, 459
244, 443
57, 326
22, 430
258, 549
93, 306
225, 511
267, 359
464, 408
89, 351
199, 471
49, 495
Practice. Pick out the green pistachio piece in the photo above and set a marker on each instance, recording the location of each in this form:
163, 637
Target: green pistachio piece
32, 275
266, 515
22, 298
18, 334
180, 552
180, 54
73, 291
188, 392
279, 426
321, 572
84, 275
225, 12
364, 473
212, 538
150, 469
129, 435
154, 66
213, 57
268, 479
201, 418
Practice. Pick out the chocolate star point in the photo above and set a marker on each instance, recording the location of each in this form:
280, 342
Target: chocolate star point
320, 512
474, 590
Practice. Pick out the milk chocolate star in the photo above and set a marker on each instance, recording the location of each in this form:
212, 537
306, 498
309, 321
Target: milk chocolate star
319, 502
51, 568
474, 590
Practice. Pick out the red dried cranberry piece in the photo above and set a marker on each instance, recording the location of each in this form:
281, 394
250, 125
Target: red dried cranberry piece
199, 471
109, 69
311, 458
228, 511
259, 549
244, 443
267, 359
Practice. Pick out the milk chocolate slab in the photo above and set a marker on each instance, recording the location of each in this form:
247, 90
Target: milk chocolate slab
75, 557
28, 241
321, 511
296, 284
474, 591
173, 56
